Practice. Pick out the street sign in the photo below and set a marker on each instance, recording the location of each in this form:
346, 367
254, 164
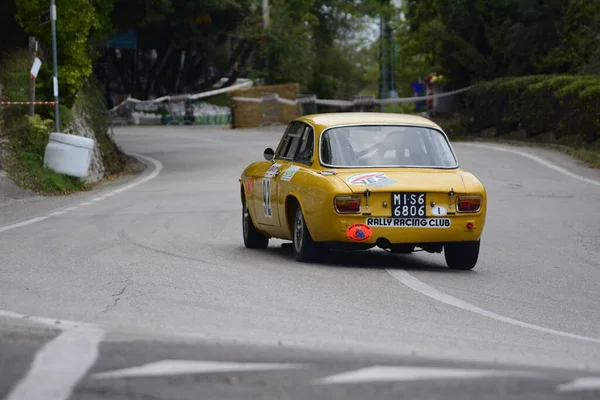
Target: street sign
44, 17
35, 68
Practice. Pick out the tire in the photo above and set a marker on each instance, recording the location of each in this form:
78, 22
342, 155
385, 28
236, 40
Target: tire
305, 249
461, 255
253, 239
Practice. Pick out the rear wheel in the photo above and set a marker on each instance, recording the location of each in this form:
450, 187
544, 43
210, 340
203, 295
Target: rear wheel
461, 255
253, 239
305, 249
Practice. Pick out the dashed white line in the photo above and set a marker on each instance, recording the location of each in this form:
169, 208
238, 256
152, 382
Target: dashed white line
98, 199
178, 367
87, 203
20, 224
435, 294
59, 365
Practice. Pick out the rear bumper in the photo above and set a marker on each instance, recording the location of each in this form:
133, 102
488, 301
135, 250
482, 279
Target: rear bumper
453, 228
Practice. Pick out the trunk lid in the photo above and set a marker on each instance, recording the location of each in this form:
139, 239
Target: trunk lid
408, 180
408, 193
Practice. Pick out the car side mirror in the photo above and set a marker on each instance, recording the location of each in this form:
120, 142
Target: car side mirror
269, 154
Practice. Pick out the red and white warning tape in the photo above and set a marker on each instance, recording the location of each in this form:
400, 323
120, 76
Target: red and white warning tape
244, 84
24, 103
346, 103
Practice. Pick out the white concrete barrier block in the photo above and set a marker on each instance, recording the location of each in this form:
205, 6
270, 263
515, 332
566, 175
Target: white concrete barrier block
69, 154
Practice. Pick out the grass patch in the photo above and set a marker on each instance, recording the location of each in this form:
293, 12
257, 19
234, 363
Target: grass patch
590, 157
46, 181
28, 137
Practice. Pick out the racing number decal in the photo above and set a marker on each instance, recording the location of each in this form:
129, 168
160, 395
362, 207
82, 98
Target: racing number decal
266, 186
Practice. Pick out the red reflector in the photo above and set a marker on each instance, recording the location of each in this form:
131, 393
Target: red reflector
469, 225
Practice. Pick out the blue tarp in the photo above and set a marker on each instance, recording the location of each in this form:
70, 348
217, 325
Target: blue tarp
124, 40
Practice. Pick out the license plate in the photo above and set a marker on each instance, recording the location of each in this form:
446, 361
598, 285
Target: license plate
408, 205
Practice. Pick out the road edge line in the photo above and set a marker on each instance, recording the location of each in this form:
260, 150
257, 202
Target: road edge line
419, 286
547, 164
158, 167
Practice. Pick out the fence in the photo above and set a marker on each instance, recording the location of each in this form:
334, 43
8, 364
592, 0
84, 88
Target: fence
188, 109
309, 104
264, 108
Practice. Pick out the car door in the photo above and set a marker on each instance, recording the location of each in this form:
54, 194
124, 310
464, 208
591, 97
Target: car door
272, 199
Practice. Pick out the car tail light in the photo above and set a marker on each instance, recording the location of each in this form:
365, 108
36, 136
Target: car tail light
468, 203
347, 204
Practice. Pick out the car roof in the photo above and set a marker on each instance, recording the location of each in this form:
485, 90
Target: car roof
327, 120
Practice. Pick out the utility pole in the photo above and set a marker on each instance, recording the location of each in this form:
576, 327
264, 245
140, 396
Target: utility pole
32, 56
266, 13
266, 23
54, 65
387, 85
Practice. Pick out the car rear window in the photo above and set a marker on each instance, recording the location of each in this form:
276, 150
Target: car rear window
386, 146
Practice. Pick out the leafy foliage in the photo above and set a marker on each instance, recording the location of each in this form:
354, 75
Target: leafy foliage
28, 136
486, 39
315, 44
563, 106
77, 20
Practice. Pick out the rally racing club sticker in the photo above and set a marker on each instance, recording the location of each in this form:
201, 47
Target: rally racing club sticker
409, 222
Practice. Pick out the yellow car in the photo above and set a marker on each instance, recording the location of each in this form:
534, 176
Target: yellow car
354, 181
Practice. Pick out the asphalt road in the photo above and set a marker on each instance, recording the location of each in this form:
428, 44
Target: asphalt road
143, 289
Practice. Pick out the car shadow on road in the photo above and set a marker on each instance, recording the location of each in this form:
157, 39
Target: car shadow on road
372, 259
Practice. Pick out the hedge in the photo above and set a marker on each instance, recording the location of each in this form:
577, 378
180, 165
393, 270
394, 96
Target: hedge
560, 105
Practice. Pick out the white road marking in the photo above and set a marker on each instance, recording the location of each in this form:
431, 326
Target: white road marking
57, 213
393, 373
178, 367
20, 224
429, 291
59, 365
579, 384
539, 160
157, 169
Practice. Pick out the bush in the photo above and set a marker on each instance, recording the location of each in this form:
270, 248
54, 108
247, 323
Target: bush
561, 105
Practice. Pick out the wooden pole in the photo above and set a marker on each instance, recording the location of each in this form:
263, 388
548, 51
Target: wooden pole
32, 56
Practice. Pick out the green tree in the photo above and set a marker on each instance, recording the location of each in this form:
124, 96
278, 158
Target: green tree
314, 43
486, 39
77, 21
184, 45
